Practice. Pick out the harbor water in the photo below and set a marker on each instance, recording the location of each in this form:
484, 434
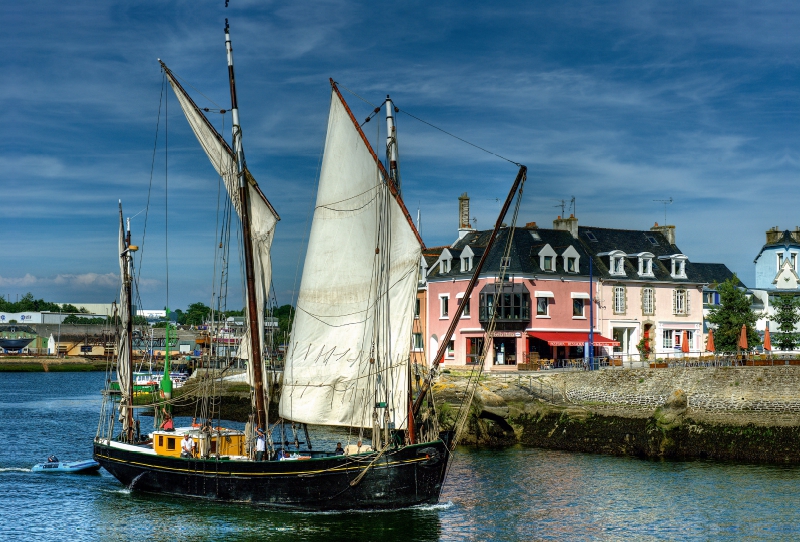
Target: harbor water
506, 494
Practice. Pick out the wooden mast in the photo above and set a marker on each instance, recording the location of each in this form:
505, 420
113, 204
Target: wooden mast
127, 279
523, 171
252, 303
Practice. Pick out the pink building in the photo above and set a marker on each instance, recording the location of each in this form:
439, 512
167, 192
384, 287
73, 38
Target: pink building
645, 291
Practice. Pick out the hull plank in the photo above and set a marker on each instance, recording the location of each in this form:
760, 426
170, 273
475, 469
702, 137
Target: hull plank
406, 476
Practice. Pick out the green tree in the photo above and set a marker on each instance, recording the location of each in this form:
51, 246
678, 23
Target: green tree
196, 314
734, 311
787, 316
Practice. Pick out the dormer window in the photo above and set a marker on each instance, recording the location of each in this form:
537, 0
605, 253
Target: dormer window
571, 260
445, 262
466, 259
547, 259
616, 262
645, 263
677, 269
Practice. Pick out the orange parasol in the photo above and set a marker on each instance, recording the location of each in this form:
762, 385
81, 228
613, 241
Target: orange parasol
710, 342
767, 342
685, 342
743, 338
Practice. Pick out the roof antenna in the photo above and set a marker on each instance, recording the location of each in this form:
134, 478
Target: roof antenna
573, 207
665, 202
563, 205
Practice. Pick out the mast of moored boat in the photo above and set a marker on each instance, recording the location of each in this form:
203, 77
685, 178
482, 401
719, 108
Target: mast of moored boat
391, 145
125, 347
252, 303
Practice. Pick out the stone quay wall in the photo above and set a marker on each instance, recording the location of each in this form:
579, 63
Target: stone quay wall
711, 389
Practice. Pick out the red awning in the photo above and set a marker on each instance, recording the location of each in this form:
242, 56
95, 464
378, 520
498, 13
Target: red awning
569, 338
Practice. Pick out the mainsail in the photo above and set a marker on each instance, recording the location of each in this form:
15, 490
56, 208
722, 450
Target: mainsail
262, 215
346, 356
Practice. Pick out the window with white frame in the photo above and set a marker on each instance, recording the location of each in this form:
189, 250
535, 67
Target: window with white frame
466, 259
780, 260
794, 260
444, 308
616, 262
680, 302
417, 342
547, 258
646, 265
577, 308
648, 301
542, 306
678, 266
571, 260
619, 300
460, 300
667, 338
451, 349
416, 308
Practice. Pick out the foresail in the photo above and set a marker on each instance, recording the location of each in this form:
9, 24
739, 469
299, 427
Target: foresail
336, 332
123, 352
262, 215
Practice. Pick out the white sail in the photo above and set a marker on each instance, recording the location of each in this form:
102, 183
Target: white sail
262, 216
327, 377
123, 352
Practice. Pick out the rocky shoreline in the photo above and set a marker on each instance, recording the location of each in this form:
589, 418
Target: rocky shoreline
744, 414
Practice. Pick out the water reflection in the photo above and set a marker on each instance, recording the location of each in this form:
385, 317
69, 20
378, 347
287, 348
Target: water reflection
141, 515
507, 495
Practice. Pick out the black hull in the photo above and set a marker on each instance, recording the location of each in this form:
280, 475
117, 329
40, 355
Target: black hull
407, 476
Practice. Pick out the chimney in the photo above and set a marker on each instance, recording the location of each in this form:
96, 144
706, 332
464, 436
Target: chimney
464, 224
774, 235
667, 231
567, 224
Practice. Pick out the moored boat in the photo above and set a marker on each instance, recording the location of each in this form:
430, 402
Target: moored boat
348, 363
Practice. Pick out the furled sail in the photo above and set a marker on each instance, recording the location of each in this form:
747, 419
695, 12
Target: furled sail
123, 350
262, 216
345, 356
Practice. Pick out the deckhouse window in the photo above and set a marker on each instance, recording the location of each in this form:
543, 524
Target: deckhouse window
571, 265
678, 266
548, 263
571, 259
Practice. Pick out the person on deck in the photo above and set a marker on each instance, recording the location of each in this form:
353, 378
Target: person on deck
261, 444
339, 450
167, 424
187, 446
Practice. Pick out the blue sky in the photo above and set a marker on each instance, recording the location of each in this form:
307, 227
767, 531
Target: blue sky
618, 104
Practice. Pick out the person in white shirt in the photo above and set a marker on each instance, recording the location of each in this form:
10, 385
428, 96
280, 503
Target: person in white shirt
187, 446
261, 445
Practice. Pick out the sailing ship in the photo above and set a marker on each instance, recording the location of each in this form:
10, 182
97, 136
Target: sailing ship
348, 362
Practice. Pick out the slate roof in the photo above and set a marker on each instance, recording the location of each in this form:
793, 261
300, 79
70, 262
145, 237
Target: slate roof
525, 250
786, 240
714, 273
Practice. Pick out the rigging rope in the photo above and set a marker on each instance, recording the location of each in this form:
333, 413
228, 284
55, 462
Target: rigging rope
376, 108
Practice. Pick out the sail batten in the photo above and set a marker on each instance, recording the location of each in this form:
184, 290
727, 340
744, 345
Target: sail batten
352, 329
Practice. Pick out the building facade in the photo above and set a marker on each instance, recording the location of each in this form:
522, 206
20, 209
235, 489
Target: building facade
643, 288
